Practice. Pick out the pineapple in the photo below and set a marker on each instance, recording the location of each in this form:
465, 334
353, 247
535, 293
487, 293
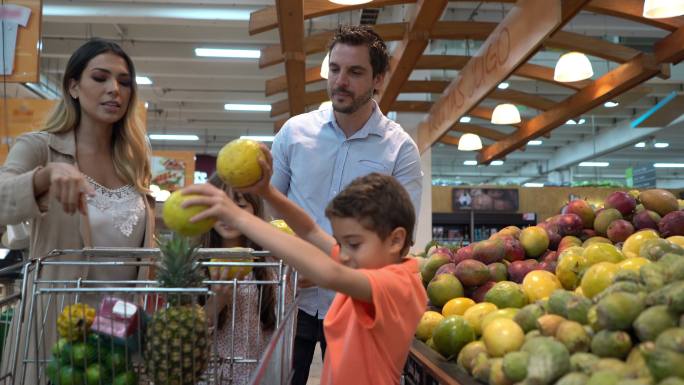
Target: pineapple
177, 343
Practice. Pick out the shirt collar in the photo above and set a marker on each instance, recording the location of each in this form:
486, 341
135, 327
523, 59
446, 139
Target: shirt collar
374, 126
63, 142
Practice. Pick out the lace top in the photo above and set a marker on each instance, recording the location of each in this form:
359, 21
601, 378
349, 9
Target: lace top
117, 216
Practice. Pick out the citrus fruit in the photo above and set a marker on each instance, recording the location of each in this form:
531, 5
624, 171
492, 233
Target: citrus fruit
427, 323
633, 244
97, 374
539, 284
177, 218
598, 277
506, 294
508, 312
476, 313
633, 264
282, 226
602, 252
501, 336
451, 334
457, 306
237, 163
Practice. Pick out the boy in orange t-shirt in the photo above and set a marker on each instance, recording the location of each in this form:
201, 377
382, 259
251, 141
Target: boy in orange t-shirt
380, 298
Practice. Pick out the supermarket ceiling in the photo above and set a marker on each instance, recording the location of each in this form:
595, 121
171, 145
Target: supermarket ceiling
188, 93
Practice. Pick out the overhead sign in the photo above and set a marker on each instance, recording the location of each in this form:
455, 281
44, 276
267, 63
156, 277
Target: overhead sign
644, 176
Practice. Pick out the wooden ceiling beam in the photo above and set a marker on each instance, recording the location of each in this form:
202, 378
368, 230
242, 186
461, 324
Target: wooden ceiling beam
279, 84
310, 98
479, 130
512, 43
291, 24
458, 30
266, 18
608, 86
448, 139
522, 98
671, 48
407, 52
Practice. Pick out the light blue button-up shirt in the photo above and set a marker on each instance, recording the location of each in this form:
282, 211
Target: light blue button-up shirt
313, 161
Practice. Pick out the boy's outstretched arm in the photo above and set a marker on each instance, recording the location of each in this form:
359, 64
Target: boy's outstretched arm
298, 219
308, 259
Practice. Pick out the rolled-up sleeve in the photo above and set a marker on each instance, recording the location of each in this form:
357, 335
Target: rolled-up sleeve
408, 172
17, 198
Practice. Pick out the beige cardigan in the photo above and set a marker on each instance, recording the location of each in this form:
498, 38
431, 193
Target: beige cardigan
51, 228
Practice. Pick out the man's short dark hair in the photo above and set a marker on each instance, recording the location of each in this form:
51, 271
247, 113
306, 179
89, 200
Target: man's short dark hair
356, 35
380, 203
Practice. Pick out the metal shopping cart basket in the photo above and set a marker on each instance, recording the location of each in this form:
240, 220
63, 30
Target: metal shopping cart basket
49, 340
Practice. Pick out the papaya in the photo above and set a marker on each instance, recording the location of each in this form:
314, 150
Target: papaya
603, 377
558, 302
676, 301
653, 321
652, 276
654, 249
671, 339
620, 286
549, 360
618, 310
578, 309
527, 316
663, 295
662, 363
515, 365
607, 343
583, 362
573, 378
626, 276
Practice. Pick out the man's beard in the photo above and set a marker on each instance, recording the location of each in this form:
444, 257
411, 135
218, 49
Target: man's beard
356, 103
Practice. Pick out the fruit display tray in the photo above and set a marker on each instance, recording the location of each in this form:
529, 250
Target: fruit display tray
425, 367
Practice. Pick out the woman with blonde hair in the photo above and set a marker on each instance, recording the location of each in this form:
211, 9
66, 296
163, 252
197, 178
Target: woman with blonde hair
83, 180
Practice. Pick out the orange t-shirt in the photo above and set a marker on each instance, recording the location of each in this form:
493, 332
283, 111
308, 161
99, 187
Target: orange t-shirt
368, 343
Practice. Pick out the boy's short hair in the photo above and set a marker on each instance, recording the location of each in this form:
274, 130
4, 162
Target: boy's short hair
356, 35
379, 202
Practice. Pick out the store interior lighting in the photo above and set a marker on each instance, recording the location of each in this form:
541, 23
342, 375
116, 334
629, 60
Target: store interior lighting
469, 142
611, 104
503, 85
470, 163
325, 65
506, 113
656, 9
661, 145
247, 107
533, 184
594, 164
143, 81
573, 67
228, 53
640, 145
668, 165
173, 137
496, 163
465, 119
534, 143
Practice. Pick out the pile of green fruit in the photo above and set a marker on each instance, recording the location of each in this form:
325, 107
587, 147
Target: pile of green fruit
81, 357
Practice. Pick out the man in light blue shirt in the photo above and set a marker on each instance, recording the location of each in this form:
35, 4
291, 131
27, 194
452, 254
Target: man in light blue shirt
315, 155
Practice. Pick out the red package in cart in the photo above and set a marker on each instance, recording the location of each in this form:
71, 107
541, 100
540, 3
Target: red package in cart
117, 318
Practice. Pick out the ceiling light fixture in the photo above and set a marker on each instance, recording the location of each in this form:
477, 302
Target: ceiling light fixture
470, 163
259, 138
469, 142
143, 80
496, 162
610, 104
506, 114
350, 2
534, 143
571, 122
533, 184
581, 121
228, 53
247, 107
465, 119
573, 67
325, 66
503, 85
640, 145
594, 164
661, 145
668, 165
173, 137
656, 9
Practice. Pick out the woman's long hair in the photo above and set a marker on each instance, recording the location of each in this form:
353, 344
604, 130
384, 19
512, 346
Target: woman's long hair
212, 239
130, 148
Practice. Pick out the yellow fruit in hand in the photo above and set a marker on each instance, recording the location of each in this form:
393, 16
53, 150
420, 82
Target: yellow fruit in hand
177, 218
457, 306
237, 163
539, 284
427, 324
282, 226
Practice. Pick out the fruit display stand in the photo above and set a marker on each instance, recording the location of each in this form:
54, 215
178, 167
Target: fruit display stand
426, 367
125, 332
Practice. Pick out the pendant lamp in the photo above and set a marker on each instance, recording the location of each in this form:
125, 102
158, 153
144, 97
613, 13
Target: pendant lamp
469, 142
573, 67
657, 9
506, 114
325, 65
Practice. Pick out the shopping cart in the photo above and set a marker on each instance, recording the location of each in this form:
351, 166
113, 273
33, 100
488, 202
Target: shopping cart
34, 352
